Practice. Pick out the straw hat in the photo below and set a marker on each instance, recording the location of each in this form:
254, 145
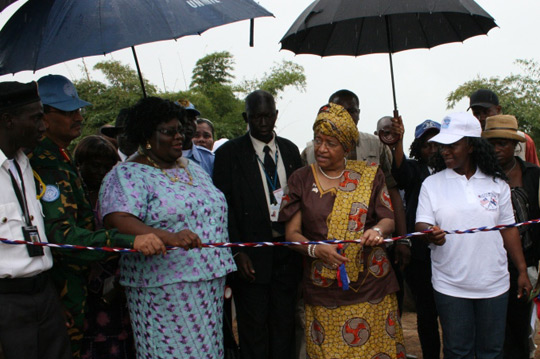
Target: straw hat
503, 126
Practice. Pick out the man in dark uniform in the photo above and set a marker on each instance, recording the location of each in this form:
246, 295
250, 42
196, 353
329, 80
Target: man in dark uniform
252, 171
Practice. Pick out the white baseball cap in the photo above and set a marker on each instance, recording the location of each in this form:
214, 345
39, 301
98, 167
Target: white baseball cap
457, 125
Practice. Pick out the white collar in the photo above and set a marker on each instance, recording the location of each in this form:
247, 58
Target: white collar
259, 145
453, 174
20, 157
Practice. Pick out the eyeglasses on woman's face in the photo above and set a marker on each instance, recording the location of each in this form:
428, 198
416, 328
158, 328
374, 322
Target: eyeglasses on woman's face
171, 132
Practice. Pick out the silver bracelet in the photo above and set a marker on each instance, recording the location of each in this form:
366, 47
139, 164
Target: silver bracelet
378, 230
311, 251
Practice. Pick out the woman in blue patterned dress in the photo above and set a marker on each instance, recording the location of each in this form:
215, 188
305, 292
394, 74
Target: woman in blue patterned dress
175, 300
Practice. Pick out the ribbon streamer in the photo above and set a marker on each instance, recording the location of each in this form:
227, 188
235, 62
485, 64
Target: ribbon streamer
270, 244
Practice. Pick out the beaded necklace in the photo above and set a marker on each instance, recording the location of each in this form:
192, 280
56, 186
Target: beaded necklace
174, 178
332, 177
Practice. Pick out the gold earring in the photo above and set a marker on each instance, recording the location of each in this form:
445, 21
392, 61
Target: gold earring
148, 145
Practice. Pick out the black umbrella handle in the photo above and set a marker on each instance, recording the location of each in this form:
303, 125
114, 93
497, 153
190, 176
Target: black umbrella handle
390, 50
139, 71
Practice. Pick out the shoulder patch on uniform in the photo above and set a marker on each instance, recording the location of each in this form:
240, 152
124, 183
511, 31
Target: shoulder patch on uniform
51, 193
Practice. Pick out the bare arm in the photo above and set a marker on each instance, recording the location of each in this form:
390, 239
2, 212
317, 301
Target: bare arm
512, 243
399, 212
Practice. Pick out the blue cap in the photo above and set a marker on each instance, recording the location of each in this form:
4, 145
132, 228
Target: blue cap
58, 92
426, 126
188, 106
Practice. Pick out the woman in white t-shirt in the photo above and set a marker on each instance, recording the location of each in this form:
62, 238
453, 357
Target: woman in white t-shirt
470, 275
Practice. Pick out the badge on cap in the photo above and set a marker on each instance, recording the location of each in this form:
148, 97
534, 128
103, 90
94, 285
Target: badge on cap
446, 122
52, 193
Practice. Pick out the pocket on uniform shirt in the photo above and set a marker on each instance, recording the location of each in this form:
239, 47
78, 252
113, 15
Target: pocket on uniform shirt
11, 221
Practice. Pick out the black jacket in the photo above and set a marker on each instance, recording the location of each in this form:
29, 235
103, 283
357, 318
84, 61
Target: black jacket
531, 177
409, 177
237, 175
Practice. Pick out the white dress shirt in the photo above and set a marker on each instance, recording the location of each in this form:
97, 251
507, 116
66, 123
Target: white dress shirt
14, 259
259, 151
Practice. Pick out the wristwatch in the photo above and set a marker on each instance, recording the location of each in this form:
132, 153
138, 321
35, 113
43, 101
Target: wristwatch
405, 241
378, 230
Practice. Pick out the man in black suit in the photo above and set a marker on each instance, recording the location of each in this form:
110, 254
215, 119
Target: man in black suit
252, 171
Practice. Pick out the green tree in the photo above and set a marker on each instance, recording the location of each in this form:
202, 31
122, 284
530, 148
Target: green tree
213, 69
211, 91
519, 95
122, 90
286, 73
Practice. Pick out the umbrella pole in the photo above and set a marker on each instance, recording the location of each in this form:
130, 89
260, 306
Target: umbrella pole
396, 113
251, 31
390, 50
139, 71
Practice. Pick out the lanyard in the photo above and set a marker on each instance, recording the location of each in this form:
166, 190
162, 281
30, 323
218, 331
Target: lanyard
272, 184
21, 196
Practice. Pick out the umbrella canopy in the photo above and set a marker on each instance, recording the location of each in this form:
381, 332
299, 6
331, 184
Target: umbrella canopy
360, 27
47, 32
5, 3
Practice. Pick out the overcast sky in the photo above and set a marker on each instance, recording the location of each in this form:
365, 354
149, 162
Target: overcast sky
423, 77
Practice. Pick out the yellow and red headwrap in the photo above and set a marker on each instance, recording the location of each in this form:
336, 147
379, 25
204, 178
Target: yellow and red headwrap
333, 120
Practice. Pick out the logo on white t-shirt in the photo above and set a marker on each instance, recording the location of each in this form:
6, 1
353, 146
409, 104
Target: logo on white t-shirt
489, 201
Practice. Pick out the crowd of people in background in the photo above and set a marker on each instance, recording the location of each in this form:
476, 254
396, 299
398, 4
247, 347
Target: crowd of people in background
158, 178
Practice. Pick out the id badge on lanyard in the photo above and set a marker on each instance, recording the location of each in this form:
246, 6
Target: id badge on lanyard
274, 207
30, 232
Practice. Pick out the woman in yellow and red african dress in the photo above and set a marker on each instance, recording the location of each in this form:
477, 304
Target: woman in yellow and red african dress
339, 199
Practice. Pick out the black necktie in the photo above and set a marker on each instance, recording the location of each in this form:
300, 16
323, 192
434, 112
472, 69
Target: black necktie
270, 169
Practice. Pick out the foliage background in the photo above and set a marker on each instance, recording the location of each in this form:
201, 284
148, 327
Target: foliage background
212, 91
519, 95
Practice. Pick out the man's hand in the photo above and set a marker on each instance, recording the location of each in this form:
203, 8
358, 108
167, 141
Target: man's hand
245, 267
68, 318
397, 129
402, 255
149, 244
524, 285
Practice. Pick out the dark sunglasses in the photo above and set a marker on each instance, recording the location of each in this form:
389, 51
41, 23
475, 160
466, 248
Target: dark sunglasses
171, 132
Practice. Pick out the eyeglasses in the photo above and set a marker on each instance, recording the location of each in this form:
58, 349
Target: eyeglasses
171, 132
70, 114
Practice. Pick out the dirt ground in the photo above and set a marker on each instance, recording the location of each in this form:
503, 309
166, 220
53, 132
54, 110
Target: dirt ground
413, 344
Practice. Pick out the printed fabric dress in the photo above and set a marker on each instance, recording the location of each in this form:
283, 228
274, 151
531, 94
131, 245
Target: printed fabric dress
363, 321
176, 300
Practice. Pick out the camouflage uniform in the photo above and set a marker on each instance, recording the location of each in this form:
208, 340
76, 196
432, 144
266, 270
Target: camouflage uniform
69, 219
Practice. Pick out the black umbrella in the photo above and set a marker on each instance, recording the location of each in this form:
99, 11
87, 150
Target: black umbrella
47, 32
5, 3
360, 27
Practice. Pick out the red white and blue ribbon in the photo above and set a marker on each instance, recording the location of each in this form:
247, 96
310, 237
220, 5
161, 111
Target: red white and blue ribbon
269, 244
